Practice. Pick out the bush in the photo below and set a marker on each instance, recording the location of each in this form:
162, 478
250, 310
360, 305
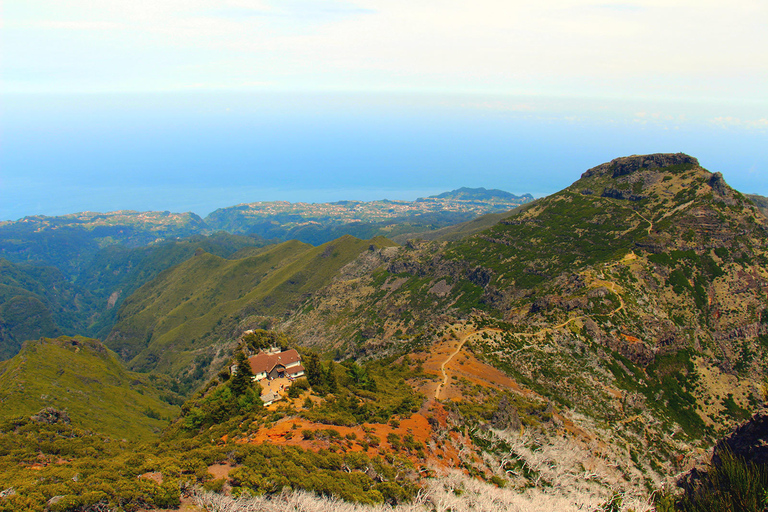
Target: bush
733, 485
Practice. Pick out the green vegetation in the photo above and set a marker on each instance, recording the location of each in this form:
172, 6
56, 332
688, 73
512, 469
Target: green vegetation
40, 461
80, 375
39, 300
732, 485
570, 230
198, 303
371, 393
270, 469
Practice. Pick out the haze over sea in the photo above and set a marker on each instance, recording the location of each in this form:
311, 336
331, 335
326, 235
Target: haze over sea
198, 151
191, 105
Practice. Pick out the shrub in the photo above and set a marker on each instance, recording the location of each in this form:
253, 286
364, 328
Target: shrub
733, 485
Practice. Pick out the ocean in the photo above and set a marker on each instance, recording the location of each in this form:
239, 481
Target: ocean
198, 151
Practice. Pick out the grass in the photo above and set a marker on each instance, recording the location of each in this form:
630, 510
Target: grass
81, 376
191, 301
732, 485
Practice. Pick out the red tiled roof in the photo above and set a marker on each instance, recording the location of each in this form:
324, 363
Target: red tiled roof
294, 370
263, 362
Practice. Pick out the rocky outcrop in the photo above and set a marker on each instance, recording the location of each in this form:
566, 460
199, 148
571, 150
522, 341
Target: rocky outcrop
748, 441
51, 415
718, 184
622, 194
629, 164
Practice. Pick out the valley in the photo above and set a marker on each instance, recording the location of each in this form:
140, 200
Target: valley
580, 351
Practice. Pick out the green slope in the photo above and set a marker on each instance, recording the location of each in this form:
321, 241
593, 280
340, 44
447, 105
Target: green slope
38, 301
81, 376
462, 230
199, 305
760, 201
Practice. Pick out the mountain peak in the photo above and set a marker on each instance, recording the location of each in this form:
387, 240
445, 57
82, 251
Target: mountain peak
629, 164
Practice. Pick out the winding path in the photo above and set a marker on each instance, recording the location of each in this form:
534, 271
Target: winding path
442, 366
464, 337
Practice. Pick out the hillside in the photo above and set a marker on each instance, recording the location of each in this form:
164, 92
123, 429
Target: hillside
633, 301
189, 313
70, 274
760, 201
80, 376
39, 300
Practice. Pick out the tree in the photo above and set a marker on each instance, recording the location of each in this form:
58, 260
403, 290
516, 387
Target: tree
243, 377
312, 368
329, 377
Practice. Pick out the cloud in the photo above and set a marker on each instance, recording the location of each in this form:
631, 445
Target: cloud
643, 48
728, 122
499, 106
79, 25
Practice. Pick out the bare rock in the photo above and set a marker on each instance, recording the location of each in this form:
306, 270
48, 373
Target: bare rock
749, 440
622, 194
629, 164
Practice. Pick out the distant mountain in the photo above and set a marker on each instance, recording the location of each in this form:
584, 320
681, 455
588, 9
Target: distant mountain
317, 223
760, 201
482, 194
68, 242
81, 376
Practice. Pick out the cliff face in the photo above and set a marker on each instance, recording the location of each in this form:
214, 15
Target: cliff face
630, 164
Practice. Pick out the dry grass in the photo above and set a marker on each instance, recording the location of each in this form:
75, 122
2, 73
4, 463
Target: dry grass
454, 492
569, 476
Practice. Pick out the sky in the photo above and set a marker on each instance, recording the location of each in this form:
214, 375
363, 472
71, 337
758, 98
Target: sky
191, 105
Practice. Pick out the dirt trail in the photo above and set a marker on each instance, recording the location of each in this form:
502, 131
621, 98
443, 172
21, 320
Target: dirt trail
650, 222
462, 340
468, 334
611, 285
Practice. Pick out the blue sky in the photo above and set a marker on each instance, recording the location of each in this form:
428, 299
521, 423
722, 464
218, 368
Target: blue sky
198, 104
